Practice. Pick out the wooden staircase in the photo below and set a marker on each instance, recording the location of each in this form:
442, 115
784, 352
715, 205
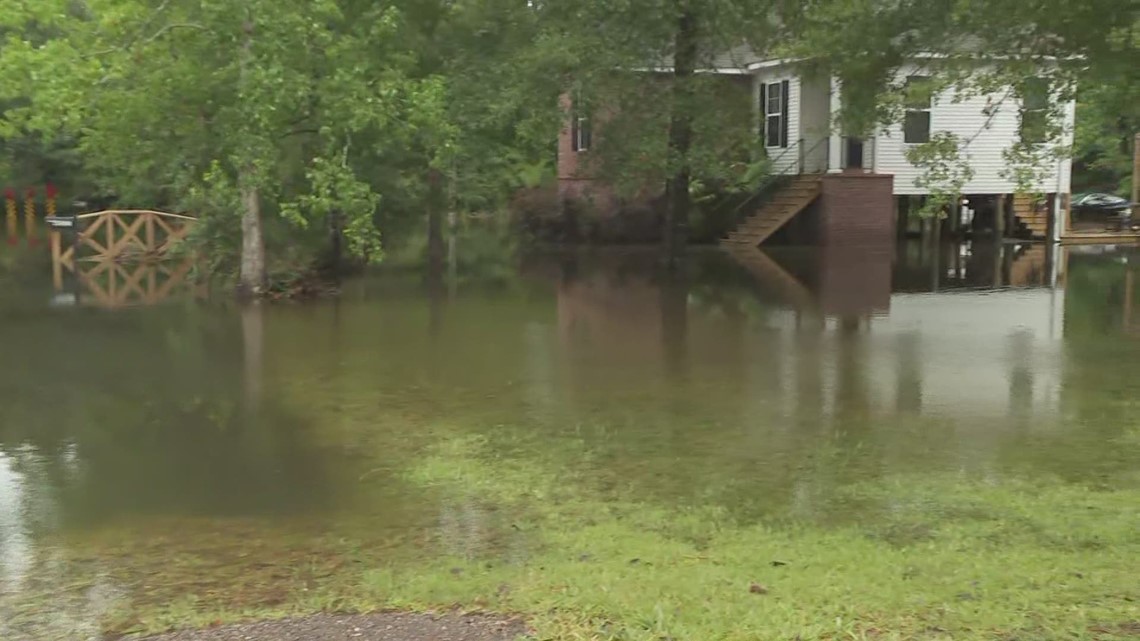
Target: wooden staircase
1033, 213
780, 208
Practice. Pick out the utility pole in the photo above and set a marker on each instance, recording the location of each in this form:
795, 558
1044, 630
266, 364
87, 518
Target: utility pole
1135, 171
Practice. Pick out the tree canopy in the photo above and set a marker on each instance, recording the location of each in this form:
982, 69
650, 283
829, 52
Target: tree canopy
339, 119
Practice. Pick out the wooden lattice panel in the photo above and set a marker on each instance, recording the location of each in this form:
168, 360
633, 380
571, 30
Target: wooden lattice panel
126, 234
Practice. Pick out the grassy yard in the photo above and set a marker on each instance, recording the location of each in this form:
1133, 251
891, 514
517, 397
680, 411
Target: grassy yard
907, 558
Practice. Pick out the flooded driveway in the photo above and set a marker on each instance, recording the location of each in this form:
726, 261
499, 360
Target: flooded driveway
160, 461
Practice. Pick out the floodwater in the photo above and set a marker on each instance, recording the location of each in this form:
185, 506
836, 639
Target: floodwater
151, 452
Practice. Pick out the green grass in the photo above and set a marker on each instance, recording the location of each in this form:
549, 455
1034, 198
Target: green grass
919, 558
912, 556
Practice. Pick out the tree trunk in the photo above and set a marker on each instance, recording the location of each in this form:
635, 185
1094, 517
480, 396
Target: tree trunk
336, 244
252, 277
435, 204
681, 134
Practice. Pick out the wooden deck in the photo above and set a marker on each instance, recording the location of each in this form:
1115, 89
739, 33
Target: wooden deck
1123, 237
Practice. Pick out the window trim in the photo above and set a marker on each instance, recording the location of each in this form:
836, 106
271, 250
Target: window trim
1043, 110
909, 108
581, 131
779, 117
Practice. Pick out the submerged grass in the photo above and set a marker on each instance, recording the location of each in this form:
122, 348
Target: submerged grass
933, 556
922, 558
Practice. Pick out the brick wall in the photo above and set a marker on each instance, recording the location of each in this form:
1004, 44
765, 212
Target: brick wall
568, 159
579, 180
857, 209
576, 180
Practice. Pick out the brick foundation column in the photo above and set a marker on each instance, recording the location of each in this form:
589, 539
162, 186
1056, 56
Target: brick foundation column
857, 209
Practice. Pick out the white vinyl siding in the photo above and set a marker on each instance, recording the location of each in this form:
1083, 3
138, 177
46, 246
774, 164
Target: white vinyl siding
988, 136
1065, 163
786, 159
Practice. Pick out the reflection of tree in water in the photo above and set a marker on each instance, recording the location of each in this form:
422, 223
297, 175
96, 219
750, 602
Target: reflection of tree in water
697, 410
147, 408
1099, 386
852, 403
1097, 293
908, 394
1021, 373
674, 297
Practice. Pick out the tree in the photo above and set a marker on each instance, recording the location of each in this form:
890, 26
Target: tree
1108, 116
263, 108
975, 46
638, 66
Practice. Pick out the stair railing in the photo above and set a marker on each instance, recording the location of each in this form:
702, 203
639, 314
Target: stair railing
761, 188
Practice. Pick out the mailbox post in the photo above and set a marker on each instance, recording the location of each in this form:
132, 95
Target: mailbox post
57, 225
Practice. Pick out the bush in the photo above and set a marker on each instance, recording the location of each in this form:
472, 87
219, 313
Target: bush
539, 215
536, 213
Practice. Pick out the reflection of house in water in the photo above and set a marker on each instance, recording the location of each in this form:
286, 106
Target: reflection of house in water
972, 352
847, 282
830, 331
617, 303
1104, 283
939, 346
920, 267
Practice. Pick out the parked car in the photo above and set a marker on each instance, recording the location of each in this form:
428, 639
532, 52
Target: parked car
1100, 203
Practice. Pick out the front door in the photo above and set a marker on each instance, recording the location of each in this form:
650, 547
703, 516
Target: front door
854, 153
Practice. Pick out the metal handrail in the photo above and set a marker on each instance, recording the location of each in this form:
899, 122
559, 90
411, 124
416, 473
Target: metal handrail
767, 181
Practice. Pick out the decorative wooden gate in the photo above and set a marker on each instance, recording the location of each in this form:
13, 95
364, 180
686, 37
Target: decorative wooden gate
138, 234
121, 257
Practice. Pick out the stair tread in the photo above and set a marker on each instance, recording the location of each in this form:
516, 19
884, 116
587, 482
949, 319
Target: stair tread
783, 205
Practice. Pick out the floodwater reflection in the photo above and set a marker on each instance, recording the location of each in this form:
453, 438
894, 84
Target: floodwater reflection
111, 284
236, 454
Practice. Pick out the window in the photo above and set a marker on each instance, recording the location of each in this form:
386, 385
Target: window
1034, 111
918, 99
774, 108
581, 133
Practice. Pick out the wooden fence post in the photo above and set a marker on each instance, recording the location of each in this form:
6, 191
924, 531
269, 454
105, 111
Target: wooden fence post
56, 259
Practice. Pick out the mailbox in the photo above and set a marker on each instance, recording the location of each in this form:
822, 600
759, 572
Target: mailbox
62, 222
